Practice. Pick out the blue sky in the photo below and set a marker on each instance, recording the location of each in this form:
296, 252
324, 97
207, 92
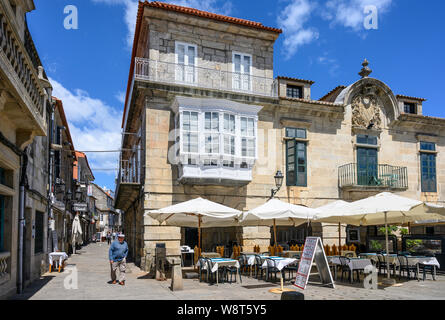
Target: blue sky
324, 41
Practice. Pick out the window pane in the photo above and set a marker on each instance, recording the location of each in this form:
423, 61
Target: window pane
191, 56
194, 121
237, 63
428, 146
186, 121
428, 169
181, 54
246, 64
291, 133
251, 128
243, 126
208, 121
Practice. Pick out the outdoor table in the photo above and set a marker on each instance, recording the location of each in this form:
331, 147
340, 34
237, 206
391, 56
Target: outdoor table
251, 259
290, 253
56, 257
353, 264
210, 255
427, 261
280, 264
412, 261
223, 262
392, 259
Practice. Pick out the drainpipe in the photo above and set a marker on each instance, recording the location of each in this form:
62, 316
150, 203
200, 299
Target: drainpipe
50, 171
23, 183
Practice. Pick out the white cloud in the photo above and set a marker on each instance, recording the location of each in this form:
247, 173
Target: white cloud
130, 16
120, 96
131, 9
349, 13
93, 124
292, 21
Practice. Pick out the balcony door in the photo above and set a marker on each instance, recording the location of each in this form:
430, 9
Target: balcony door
186, 61
242, 70
367, 166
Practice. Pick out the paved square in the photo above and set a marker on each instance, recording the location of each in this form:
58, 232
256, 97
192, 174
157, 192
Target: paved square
93, 275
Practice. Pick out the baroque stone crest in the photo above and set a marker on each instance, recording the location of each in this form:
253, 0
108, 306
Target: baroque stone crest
366, 111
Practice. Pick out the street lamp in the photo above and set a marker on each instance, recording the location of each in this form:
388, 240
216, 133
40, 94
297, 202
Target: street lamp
278, 183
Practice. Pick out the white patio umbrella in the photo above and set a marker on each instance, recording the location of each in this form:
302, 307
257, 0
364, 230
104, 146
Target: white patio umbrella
276, 212
330, 208
76, 234
383, 208
432, 207
197, 213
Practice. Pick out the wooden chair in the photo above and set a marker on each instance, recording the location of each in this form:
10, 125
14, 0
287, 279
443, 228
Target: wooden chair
335, 250
327, 250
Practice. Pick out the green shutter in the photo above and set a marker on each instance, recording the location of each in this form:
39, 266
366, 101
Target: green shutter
428, 172
296, 158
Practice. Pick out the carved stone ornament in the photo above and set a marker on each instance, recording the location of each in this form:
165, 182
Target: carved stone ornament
366, 111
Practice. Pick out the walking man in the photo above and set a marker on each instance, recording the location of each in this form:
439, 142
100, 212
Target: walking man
117, 254
109, 237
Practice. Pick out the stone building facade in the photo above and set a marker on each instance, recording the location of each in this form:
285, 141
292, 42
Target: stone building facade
105, 211
25, 103
205, 117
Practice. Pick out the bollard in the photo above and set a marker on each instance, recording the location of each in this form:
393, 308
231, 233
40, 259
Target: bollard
176, 274
292, 295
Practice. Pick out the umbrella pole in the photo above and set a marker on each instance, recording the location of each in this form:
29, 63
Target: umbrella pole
199, 234
388, 281
339, 235
275, 233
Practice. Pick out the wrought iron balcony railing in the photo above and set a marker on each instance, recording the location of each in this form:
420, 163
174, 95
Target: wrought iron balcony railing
129, 172
23, 61
216, 78
380, 176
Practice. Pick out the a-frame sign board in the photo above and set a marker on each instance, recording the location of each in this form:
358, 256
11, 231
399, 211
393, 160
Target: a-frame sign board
313, 250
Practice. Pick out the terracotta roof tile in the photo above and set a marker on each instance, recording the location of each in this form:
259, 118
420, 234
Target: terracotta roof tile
296, 79
209, 15
408, 97
331, 92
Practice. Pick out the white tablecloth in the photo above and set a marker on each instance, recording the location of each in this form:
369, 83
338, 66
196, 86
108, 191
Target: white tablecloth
280, 263
57, 255
412, 260
428, 261
251, 259
222, 263
353, 264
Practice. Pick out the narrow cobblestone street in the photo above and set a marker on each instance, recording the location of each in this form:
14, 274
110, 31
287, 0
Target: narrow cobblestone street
93, 276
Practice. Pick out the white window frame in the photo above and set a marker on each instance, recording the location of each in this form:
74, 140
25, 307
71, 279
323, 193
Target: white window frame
194, 155
248, 137
186, 64
234, 73
221, 156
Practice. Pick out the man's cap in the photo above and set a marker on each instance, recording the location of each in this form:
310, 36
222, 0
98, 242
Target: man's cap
121, 235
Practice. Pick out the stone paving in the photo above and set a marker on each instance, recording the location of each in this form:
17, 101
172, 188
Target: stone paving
93, 276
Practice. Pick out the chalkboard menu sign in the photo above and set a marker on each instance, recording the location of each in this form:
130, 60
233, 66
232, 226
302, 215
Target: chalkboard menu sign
313, 250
